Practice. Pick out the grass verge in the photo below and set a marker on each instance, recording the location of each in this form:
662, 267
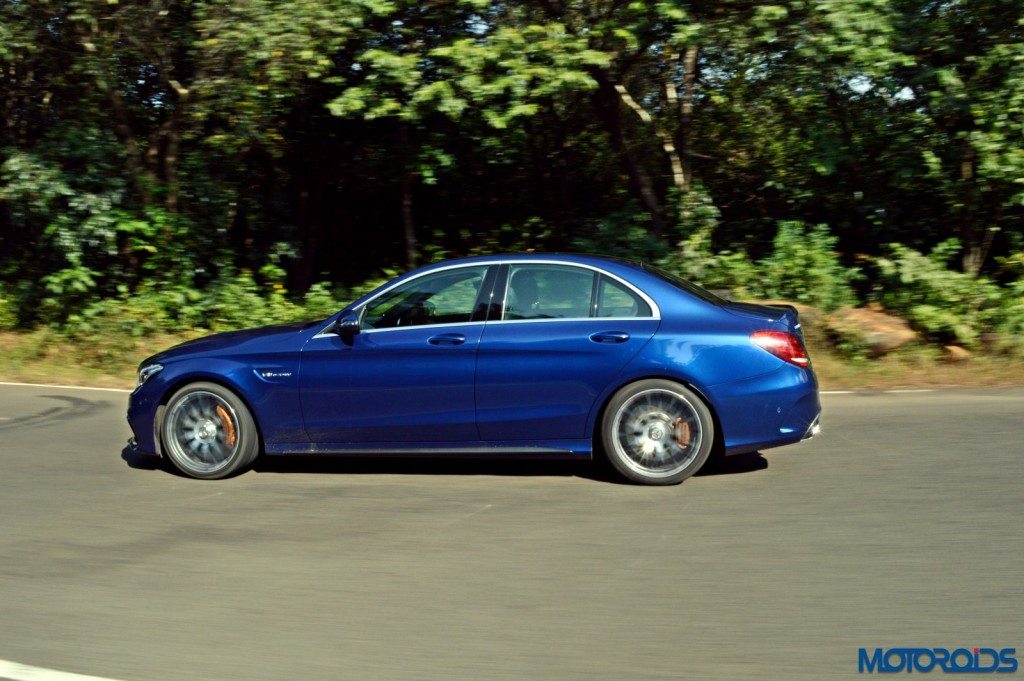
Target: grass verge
45, 357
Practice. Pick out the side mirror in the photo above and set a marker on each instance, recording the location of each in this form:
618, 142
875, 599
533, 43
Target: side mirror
347, 325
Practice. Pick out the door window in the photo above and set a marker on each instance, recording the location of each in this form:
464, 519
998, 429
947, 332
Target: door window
548, 292
446, 297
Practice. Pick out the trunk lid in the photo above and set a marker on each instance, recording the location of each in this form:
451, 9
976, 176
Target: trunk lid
779, 315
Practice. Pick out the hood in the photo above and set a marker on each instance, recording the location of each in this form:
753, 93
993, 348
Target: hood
232, 341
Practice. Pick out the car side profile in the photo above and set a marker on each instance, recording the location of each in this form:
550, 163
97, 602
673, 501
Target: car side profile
503, 356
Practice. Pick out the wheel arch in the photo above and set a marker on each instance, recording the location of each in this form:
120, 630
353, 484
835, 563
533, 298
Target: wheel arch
717, 447
179, 383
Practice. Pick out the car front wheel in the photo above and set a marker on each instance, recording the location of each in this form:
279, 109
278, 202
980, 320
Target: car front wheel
657, 432
208, 432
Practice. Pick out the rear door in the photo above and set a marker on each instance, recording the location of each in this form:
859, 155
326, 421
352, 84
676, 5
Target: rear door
563, 333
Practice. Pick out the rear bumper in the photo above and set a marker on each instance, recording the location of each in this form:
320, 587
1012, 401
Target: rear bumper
771, 410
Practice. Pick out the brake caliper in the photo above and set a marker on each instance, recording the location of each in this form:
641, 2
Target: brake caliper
682, 433
229, 426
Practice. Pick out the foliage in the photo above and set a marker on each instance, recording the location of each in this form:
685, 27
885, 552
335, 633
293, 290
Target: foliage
802, 267
206, 163
8, 311
623, 235
947, 305
234, 301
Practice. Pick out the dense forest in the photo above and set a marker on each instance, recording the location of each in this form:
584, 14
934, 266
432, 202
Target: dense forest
164, 154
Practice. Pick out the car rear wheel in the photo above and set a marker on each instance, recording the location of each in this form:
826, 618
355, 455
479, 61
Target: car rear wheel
657, 432
208, 432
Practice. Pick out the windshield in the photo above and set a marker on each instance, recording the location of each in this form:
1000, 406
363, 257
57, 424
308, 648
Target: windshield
687, 286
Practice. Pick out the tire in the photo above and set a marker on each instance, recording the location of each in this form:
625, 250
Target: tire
657, 432
207, 432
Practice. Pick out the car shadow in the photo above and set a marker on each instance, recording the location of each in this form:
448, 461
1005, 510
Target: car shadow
146, 462
364, 465
597, 471
731, 465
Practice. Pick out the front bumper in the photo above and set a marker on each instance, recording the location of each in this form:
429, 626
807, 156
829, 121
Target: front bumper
135, 448
143, 405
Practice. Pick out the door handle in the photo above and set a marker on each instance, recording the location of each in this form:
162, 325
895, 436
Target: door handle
447, 339
609, 337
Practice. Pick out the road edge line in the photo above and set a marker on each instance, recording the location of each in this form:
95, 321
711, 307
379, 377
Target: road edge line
25, 672
870, 391
68, 387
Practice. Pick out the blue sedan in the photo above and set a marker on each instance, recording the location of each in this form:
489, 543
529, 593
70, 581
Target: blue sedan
519, 355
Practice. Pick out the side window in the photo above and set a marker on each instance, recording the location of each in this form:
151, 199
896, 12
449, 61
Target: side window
445, 297
548, 292
615, 300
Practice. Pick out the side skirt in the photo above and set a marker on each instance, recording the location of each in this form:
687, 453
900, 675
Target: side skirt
552, 449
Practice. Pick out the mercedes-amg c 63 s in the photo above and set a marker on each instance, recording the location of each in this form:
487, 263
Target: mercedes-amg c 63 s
518, 355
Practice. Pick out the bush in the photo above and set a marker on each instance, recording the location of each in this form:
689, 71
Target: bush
8, 311
732, 270
626, 235
802, 267
1009, 321
234, 301
946, 305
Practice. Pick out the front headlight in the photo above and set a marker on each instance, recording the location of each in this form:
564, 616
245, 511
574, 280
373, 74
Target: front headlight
147, 371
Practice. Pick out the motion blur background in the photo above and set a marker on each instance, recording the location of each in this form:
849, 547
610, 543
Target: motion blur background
167, 166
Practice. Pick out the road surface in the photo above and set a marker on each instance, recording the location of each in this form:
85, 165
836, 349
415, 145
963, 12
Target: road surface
899, 526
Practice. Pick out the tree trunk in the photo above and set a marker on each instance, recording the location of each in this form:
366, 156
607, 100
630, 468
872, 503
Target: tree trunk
408, 184
301, 276
171, 162
142, 178
409, 221
686, 115
976, 241
640, 182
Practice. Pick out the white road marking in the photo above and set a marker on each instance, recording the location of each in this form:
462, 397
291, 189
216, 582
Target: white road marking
24, 672
67, 387
869, 390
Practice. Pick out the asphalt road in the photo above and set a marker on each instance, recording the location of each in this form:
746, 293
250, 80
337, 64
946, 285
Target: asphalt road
900, 525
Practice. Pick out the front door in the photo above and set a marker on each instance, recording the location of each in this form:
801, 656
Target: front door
408, 375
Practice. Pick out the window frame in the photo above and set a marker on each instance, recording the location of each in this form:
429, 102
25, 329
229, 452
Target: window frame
486, 286
597, 298
496, 289
502, 286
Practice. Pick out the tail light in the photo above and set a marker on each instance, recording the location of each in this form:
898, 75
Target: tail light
785, 346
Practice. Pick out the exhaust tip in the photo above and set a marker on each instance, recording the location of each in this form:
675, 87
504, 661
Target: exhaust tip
813, 429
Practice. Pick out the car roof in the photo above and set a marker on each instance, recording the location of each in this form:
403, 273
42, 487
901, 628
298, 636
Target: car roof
568, 258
